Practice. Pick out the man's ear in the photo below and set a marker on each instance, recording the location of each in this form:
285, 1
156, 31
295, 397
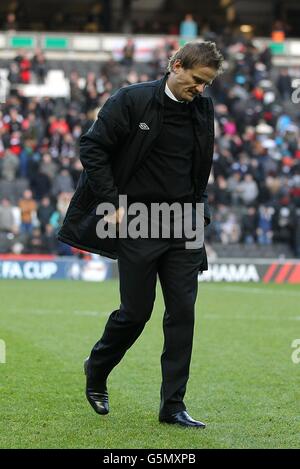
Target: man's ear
177, 66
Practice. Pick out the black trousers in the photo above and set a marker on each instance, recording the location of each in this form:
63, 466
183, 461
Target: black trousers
140, 262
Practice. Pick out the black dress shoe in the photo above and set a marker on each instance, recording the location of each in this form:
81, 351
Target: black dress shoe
96, 395
182, 418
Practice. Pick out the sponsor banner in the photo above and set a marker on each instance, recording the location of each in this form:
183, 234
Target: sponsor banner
255, 270
43, 268
247, 270
99, 269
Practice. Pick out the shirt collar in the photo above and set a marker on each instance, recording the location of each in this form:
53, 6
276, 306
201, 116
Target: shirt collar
170, 94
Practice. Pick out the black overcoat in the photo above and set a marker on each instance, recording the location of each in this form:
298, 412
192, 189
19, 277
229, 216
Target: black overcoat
113, 149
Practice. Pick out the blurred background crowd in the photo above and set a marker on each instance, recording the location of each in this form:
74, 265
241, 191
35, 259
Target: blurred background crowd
254, 187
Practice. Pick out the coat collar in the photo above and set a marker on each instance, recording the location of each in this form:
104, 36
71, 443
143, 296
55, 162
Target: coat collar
160, 91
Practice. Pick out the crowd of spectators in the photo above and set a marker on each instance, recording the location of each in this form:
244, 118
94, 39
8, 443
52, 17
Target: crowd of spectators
254, 188
26, 69
255, 183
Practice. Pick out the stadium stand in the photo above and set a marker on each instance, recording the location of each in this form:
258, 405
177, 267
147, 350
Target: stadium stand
254, 188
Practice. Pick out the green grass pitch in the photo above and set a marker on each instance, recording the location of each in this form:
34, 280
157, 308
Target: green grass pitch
243, 382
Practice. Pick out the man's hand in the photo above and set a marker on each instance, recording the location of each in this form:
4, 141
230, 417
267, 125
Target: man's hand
116, 217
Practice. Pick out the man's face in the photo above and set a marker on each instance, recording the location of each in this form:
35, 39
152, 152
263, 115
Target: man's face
185, 84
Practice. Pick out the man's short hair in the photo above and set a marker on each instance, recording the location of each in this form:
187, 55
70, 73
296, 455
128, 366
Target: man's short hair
198, 53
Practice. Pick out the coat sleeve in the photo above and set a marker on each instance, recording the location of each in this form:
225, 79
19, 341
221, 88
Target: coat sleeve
99, 145
204, 199
207, 214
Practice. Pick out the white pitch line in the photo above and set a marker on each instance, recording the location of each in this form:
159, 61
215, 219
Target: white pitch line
91, 313
250, 317
59, 311
36, 311
252, 290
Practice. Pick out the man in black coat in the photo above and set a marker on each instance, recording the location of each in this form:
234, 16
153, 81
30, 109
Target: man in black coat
152, 142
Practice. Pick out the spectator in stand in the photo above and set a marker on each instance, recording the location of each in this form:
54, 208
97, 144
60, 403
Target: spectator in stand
29, 158
44, 212
249, 226
230, 230
248, 189
279, 30
284, 84
69, 148
46, 108
10, 165
15, 142
14, 74
48, 167
58, 125
28, 209
13, 120
63, 201
50, 240
25, 68
92, 100
11, 23
91, 83
35, 243
62, 183
128, 53
39, 66
264, 229
32, 127
40, 184
76, 92
188, 29
221, 192
273, 185
7, 217
283, 223
233, 183
266, 57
